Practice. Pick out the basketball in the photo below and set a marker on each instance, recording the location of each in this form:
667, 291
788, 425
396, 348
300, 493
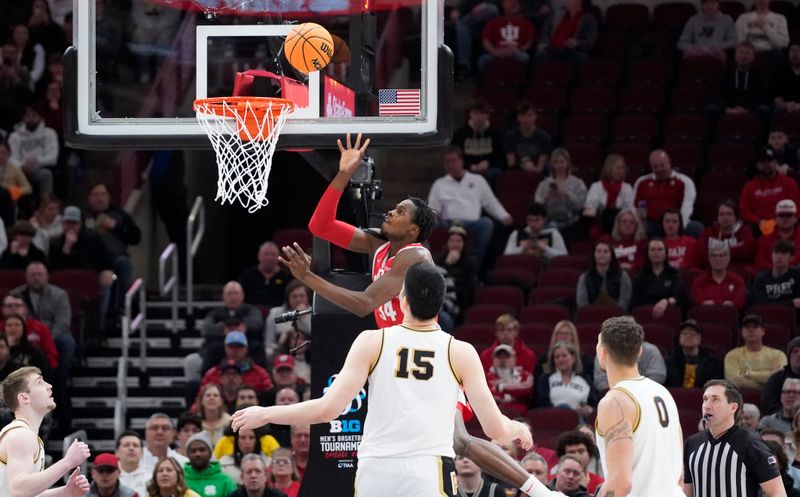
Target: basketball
341, 52
308, 47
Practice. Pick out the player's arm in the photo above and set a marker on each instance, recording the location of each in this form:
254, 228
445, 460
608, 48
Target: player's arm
323, 223
467, 366
22, 481
376, 294
363, 354
615, 417
688, 490
773, 488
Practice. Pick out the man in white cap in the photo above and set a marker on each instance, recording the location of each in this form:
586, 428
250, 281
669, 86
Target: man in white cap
510, 384
785, 229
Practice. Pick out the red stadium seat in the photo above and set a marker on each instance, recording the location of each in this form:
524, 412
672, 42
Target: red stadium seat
689, 97
545, 314
550, 122
728, 182
475, 333
685, 156
687, 398
672, 16
516, 182
585, 154
593, 100
517, 206
288, 236
12, 278
720, 314
529, 262
637, 157
789, 121
499, 96
701, 69
635, 128
627, 17
580, 262
643, 314
597, 313
686, 127
561, 295
585, 127
611, 44
751, 395
437, 240
602, 72
504, 70
657, 72
553, 418
559, 277
519, 277
717, 338
587, 335
737, 155
739, 127
486, 313
776, 314
690, 419
536, 335
553, 72
642, 99
547, 98
661, 335
504, 295
776, 335
81, 281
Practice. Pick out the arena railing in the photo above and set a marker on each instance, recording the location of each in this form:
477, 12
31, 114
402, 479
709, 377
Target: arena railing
130, 324
170, 286
195, 229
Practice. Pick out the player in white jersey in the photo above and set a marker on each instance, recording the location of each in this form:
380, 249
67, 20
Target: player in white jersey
638, 429
22, 472
414, 370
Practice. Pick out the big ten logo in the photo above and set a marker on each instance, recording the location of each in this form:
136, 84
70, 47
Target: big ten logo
346, 426
356, 403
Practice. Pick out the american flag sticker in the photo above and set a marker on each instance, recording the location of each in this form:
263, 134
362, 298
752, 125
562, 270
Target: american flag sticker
398, 102
772, 460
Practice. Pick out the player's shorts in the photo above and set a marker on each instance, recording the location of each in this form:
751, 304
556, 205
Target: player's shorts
417, 476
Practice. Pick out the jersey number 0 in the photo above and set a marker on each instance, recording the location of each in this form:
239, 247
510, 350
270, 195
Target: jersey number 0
423, 367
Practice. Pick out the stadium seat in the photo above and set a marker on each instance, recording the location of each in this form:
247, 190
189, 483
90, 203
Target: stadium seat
554, 418
516, 182
733, 8
654, 71
12, 278
642, 99
637, 157
585, 154
728, 182
739, 127
601, 72
536, 335
737, 155
628, 17
776, 335
687, 398
545, 314
561, 295
552, 72
717, 338
593, 100
518, 277
611, 44
690, 419
437, 240
505, 71
776, 314
529, 262
84, 282
580, 262
720, 314
686, 127
583, 247
660, 335
689, 97
685, 155
585, 127
510, 412
517, 206
635, 127
706, 206
672, 16
550, 122
643, 314
587, 335
789, 121
751, 395
475, 333
706, 70
597, 313
559, 277
499, 96
504, 295
547, 98
288, 236
486, 313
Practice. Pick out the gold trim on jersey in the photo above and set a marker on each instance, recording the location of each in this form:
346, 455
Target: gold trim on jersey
8, 428
380, 351
450, 361
638, 407
440, 465
419, 330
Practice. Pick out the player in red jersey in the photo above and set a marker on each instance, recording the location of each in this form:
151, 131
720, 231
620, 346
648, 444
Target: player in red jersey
405, 227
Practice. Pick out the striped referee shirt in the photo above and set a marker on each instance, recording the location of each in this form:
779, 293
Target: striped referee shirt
733, 465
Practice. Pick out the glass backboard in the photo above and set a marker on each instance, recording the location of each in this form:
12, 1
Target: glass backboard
137, 66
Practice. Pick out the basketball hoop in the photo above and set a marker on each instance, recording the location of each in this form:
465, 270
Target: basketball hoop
243, 132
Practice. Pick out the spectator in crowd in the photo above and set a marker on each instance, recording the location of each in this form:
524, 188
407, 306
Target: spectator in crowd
115, 228
278, 337
47, 220
169, 480
749, 417
781, 420
664, 189
785, 229
285, 376
787, 84
11, 177
742, 88
284, 397
47, 32
34, 149
535, 238
564, 386
750, 365
265, 283
132, 473
266, 442
471, 480
779, 284
203, 475
506, 332
605, 283
526, 146
727, 230
680, 247
245, 442
52, 111
461, 267
690, 365
610, 194
651, 365
106, 478
159, 433
771, 393
284, 472
301, 444
31, 53
233, 305
569, 476
509, 36
582, 446
562, 193
627, 239
22, 352
15, 86
213, 413
785, 153
659, 284
237, 357
21, 251
7, 363
536, 465
50, 305
460, 195
778, 450
510, 384
246, 394
764, 29
255, 470
570, 32
565, 331
709, 33
470, 17
761, 194
719, 286
480, 143
36, 332
188, 424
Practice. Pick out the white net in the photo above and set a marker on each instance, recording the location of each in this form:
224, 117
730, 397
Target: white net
243, 133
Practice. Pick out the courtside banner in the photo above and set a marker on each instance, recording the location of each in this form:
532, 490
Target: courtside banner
334, 446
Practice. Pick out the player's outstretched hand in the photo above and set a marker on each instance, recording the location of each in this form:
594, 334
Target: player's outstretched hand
298, 262
249, 418
77, 485
524, 436
77, 453
352, 155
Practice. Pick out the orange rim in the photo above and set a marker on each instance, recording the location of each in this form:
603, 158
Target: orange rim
237, 107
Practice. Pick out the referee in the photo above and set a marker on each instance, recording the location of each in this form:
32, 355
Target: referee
726, 460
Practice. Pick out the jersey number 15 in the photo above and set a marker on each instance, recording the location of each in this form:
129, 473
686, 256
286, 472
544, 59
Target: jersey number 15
422, 366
